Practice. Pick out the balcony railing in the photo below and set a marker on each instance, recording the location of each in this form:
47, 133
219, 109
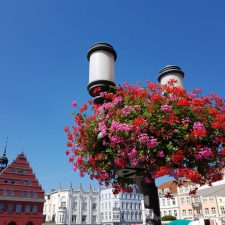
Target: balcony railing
196, 205
116, 208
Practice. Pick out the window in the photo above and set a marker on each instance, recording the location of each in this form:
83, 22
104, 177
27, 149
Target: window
94, 206
116, 216
28, 194
163, 202
63, 204
84, 219
174, 201
84, 207
181, 190
188, 200
206, 211
182, 201
184, 212
196, 199
190, 212
123, 216
6, 181
13, 181
109, 205
175, 213
213, 210
21, 194
106, 215
1, 207
94, 219
136, 216
168, 202
123, 205
29, 182
135, 205
35, 209
204, 199
127, 205
4, 192
222, 210
186, 189
74, 218
75, 205
211, 199
170, 213
24, 171
35, 194
105, 205
10, 207
27, 209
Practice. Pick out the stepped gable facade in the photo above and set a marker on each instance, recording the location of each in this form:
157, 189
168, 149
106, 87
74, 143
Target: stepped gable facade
21, 195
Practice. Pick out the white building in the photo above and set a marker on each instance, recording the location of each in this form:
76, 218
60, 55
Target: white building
124, 208
168, 206
70, 206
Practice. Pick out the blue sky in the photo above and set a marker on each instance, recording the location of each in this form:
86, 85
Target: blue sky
43, 65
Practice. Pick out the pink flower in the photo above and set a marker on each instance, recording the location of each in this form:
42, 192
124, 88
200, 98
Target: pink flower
204, 153
74, 103
160, 154
166, 108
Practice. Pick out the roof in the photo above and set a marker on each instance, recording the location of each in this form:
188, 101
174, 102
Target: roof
179, 222
169, 184
217, 189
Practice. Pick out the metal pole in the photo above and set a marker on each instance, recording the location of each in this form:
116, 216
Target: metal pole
151, 199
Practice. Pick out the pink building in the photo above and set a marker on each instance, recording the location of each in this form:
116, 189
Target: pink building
194, 206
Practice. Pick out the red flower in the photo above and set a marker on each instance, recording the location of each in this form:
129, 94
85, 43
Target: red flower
67, 152
83, 108
183, 102
69, 144
223, 152
66, 129
177, 158
140, 121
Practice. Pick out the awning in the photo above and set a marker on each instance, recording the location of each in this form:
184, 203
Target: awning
179, 222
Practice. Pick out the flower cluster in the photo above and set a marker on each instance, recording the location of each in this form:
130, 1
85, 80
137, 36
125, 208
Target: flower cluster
161, 129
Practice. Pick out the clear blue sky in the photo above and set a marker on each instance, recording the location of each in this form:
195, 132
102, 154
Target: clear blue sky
43, 65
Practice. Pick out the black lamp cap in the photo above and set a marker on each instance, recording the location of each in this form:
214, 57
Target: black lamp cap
102, 46
170, 69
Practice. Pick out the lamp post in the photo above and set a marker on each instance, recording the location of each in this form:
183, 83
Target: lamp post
101, 58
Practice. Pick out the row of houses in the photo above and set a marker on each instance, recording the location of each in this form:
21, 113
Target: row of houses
78, 206
22, 199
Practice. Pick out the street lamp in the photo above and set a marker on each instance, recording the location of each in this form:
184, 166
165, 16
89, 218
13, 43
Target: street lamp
101, 58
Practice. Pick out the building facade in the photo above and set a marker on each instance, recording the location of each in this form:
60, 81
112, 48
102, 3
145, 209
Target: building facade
21, 196
168, 206
124, 208
72, 206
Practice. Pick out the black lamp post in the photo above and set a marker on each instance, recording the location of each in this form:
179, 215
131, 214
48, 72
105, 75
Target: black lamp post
101, 58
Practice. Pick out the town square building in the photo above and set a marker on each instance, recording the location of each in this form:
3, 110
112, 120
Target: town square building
21, 195
72, 206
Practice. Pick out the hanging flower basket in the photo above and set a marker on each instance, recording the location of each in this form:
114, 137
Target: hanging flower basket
157, 129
